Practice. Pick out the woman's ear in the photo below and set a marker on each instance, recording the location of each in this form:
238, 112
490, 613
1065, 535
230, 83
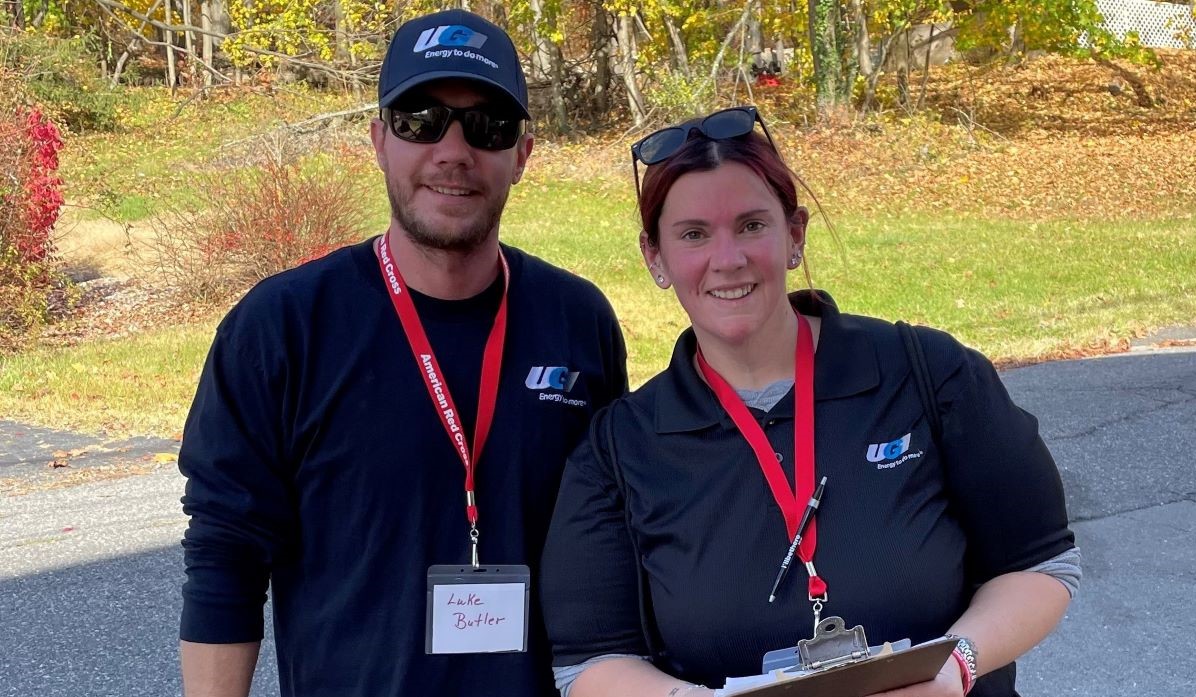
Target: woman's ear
652, 260
797, 226
797, 233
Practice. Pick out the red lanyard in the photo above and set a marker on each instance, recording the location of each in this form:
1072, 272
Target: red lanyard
438, 389
803, 444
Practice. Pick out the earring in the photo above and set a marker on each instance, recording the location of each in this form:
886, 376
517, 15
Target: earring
795, 260
660, 278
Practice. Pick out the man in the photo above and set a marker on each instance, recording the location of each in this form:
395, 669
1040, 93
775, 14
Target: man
344, 407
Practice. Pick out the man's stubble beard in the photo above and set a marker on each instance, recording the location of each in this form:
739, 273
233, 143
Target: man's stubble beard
462, 240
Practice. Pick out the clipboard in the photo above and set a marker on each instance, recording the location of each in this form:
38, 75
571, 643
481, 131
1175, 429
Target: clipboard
841, 665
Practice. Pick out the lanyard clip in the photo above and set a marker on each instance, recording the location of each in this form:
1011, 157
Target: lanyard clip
473, 548
817, 587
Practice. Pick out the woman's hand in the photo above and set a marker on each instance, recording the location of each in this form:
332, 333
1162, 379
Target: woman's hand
948, 683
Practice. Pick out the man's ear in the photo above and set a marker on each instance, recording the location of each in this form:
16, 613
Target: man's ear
378, 138
523, 150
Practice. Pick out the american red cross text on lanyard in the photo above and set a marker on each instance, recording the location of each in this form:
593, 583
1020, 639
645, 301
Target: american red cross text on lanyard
438, 389
803, 450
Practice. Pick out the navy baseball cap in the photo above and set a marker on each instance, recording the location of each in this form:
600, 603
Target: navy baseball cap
454, 43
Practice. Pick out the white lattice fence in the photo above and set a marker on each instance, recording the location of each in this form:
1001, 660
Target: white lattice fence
1159, 24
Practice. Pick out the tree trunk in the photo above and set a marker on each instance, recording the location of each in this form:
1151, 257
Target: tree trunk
188, 40
168, 39
1141, 94
926, 69
722, 49
863, 42
205, 22
1017, 44
133, 46
549, 63
498, 13
755, 40
828, 61
879, 68
811, 24
340, 30
680, 55
600, 40
218, 15
635, 100
189, 44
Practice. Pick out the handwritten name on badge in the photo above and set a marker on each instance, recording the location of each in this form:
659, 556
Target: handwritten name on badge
477, 618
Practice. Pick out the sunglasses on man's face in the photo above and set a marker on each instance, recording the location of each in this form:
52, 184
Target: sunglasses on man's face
735, 122
483, 129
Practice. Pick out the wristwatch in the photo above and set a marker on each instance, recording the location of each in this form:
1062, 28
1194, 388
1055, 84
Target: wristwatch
965, 653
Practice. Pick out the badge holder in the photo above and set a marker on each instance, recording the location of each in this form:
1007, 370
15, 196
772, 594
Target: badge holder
481, 609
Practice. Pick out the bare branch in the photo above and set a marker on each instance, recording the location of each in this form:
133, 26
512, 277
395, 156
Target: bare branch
139, 39
722, 50
319, 118
293, 60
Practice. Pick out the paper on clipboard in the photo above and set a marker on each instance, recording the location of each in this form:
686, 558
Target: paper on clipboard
857, 678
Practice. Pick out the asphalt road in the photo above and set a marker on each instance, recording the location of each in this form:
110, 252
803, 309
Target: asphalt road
89, 574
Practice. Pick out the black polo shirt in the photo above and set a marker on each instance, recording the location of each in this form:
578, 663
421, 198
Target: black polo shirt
906, 533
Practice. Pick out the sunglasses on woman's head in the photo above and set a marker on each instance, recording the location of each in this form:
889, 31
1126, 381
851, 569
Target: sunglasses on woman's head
483, 129
735, 122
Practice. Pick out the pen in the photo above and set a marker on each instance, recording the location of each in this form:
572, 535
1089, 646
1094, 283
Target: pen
806, 517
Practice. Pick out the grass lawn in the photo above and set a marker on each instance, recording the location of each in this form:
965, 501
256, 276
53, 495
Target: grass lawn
1015, 290
150, 163
139, 385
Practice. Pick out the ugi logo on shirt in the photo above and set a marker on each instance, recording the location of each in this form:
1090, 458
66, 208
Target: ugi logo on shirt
879, 452
551, 377
452, 36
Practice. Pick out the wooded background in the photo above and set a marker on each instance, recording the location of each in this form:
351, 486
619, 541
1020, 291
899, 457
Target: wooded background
587, 59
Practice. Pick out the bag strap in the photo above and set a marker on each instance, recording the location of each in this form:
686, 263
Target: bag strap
647, 623
922, 381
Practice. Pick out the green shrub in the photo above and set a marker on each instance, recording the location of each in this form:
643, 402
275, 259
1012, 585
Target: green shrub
675, 97
61, 76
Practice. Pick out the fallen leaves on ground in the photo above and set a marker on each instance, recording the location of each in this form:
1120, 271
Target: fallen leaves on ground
110, 308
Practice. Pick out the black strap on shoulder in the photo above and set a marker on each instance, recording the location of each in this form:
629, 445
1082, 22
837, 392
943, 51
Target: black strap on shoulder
647, 619
921, 374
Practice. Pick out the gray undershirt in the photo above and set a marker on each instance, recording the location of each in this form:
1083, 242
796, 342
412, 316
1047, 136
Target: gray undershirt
767, 398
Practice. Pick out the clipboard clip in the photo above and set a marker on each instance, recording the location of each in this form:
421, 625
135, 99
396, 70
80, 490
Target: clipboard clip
833, 645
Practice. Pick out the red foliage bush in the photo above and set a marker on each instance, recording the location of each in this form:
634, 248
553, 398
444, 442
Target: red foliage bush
30, 201
31, 204
257, 222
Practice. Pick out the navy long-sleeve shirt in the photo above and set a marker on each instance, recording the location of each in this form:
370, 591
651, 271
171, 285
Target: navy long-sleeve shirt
316, 464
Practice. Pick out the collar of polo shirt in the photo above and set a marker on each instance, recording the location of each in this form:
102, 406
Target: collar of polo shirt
848, 366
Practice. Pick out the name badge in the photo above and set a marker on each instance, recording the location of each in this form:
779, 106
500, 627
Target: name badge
483, 610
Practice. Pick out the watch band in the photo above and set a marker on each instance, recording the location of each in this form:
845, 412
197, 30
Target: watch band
965, 653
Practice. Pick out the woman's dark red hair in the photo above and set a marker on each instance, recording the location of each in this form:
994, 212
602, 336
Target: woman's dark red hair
701, 154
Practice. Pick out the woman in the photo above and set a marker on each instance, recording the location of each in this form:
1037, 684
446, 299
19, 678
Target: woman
674, 517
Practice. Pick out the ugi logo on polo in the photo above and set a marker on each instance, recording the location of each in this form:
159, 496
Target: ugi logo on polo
551, 377
879, 452
452, 35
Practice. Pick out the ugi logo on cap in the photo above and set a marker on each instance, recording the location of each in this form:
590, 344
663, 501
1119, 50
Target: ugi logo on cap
451, 35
